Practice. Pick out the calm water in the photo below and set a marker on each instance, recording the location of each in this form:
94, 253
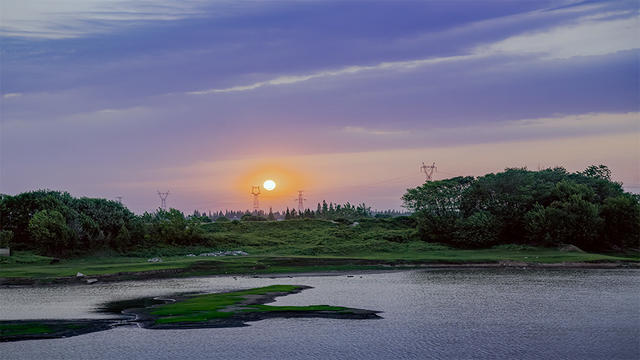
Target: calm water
459, 314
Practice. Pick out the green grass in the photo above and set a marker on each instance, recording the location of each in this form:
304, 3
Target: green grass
202, 308
294, 246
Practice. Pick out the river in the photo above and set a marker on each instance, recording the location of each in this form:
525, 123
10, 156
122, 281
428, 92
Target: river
427, 314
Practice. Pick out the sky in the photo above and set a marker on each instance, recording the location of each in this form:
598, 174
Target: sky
341, 99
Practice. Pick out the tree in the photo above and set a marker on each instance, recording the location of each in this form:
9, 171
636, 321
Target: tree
122, 241
573, 221
439, 198
271, 217
478, 230
621, 215
436, 205
597, 172
50, 233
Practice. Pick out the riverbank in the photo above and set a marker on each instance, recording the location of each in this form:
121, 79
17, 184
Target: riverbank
113, 269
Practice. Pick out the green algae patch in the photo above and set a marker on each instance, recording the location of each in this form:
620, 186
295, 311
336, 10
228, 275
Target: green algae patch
236, 308
186, 311
7, 330
50, 329
212, 306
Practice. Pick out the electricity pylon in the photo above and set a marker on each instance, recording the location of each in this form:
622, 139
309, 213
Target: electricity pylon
301, 200
255, 191
163, 199
428, 170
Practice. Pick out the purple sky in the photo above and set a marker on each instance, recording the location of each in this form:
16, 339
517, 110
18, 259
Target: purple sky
343, 99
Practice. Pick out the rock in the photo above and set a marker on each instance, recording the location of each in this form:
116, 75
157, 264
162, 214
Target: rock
92, 280
569, 248
155, 260
225, 253
191, 255
79, 274
355, 223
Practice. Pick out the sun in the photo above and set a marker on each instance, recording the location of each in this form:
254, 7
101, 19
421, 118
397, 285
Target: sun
269, 185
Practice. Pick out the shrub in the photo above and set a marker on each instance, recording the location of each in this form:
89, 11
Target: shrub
478, 230
5, 238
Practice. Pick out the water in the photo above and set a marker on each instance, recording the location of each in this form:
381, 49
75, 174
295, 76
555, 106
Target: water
439, 314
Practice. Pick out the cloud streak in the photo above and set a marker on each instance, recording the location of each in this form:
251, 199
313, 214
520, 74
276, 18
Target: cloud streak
42, 19
349, 70
589, 36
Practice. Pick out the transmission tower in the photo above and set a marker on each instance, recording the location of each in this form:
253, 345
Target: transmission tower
428, 170
163, 199
255, 191
301, 200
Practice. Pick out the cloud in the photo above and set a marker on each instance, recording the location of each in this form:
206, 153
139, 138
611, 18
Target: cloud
11, 95
586, 38
538, 128
43, 19
591, 35
349, 70
375, 132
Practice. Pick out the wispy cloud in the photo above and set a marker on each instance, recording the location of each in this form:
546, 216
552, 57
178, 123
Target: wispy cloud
45, 19
369, 131
538, 128
11, 95
590, 35
349, 70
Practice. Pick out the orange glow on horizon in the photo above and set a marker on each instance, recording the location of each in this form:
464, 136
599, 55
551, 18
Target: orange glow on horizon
288, 183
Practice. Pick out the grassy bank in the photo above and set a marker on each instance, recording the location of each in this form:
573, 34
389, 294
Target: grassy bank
293, 246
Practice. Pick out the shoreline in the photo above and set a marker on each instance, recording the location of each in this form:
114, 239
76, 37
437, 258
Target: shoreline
377, 268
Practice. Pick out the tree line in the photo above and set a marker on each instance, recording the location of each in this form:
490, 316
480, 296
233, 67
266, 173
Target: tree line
543, 208
55, 223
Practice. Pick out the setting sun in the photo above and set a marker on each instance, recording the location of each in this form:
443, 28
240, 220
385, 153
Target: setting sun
269, 185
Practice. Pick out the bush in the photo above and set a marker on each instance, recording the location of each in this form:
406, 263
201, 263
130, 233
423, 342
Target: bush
478, 230
5, 238
249, 217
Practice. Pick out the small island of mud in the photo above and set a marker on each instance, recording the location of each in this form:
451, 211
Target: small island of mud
186, 311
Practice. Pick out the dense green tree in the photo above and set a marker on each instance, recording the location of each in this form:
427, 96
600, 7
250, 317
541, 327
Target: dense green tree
122, 241
50, 233
545, 207
621, 215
